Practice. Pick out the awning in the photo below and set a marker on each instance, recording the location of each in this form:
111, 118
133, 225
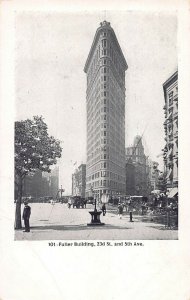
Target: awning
156, 192
105, 198
169, 152
169, 116
173, 192
169, 173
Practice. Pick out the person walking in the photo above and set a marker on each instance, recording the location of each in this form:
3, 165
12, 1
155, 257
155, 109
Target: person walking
26, 216
69, 203
104, 209
84, 201
120, 210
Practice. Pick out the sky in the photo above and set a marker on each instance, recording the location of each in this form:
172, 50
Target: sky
50, 53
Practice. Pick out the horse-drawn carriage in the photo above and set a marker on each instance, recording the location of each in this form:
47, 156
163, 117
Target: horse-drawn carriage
78, 202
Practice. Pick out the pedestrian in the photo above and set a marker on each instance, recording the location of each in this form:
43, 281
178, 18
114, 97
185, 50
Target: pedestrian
84, 201
26, 216
69, 203
120, 210
104, 209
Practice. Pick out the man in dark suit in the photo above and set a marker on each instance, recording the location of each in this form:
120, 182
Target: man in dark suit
26, 216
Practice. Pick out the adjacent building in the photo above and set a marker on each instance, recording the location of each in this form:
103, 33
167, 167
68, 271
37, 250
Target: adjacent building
137, 169
79, 181
42, 184
33, 185
153, 174
53, 182
105, 103
171, 133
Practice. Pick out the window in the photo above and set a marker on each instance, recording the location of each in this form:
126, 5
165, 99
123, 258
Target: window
105, 78
104, 133
104, 101
105, 70
170, 98
104, 43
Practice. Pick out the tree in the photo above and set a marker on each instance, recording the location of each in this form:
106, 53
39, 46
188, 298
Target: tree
34, 149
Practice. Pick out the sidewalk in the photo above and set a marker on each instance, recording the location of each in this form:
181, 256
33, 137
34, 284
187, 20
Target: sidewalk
57, 222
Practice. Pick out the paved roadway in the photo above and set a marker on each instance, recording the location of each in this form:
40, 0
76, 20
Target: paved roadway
58, 222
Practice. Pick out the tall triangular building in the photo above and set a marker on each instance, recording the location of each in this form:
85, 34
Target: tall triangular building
105, 103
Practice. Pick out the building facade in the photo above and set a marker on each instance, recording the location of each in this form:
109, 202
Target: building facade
79, 181
42, 184
33, 185
137, 169
53, 181
105, 103
153, 174
171, 133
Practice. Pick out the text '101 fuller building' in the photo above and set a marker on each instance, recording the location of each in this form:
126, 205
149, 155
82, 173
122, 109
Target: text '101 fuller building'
105, 103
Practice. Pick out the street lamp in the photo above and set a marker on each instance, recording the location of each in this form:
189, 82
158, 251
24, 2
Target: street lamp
94, 198
95, 215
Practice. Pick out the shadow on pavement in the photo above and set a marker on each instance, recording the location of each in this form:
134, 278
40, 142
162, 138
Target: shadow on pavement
77, 227
163, 228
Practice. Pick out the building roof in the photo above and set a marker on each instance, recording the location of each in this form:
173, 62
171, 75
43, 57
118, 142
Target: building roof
103, 25
138, 141
171, 79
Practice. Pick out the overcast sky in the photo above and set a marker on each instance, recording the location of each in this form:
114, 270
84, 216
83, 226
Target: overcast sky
51, 51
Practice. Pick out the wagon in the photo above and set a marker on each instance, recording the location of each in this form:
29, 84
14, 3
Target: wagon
77, 202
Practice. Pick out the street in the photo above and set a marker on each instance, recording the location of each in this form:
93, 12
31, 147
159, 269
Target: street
58, 222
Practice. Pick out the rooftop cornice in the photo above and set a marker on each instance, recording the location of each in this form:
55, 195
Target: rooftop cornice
170, 80
103, 25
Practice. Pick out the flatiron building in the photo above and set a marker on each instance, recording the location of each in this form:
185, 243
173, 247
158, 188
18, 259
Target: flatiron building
105, 104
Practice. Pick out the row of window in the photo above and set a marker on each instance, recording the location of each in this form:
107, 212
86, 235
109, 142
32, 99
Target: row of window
134, 150
113, 167
105, 183
103, 82
104, 51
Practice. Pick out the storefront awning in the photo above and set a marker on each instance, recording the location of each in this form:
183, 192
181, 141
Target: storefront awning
173, 192
169, 152
169, 116
169, 173
105, 198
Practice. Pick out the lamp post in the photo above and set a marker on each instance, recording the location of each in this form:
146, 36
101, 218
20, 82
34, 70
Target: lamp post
93, 193
95, 215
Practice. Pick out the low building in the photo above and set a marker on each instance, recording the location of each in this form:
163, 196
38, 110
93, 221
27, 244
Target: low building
170, 87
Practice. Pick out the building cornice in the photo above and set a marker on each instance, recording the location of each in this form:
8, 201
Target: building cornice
170, 80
